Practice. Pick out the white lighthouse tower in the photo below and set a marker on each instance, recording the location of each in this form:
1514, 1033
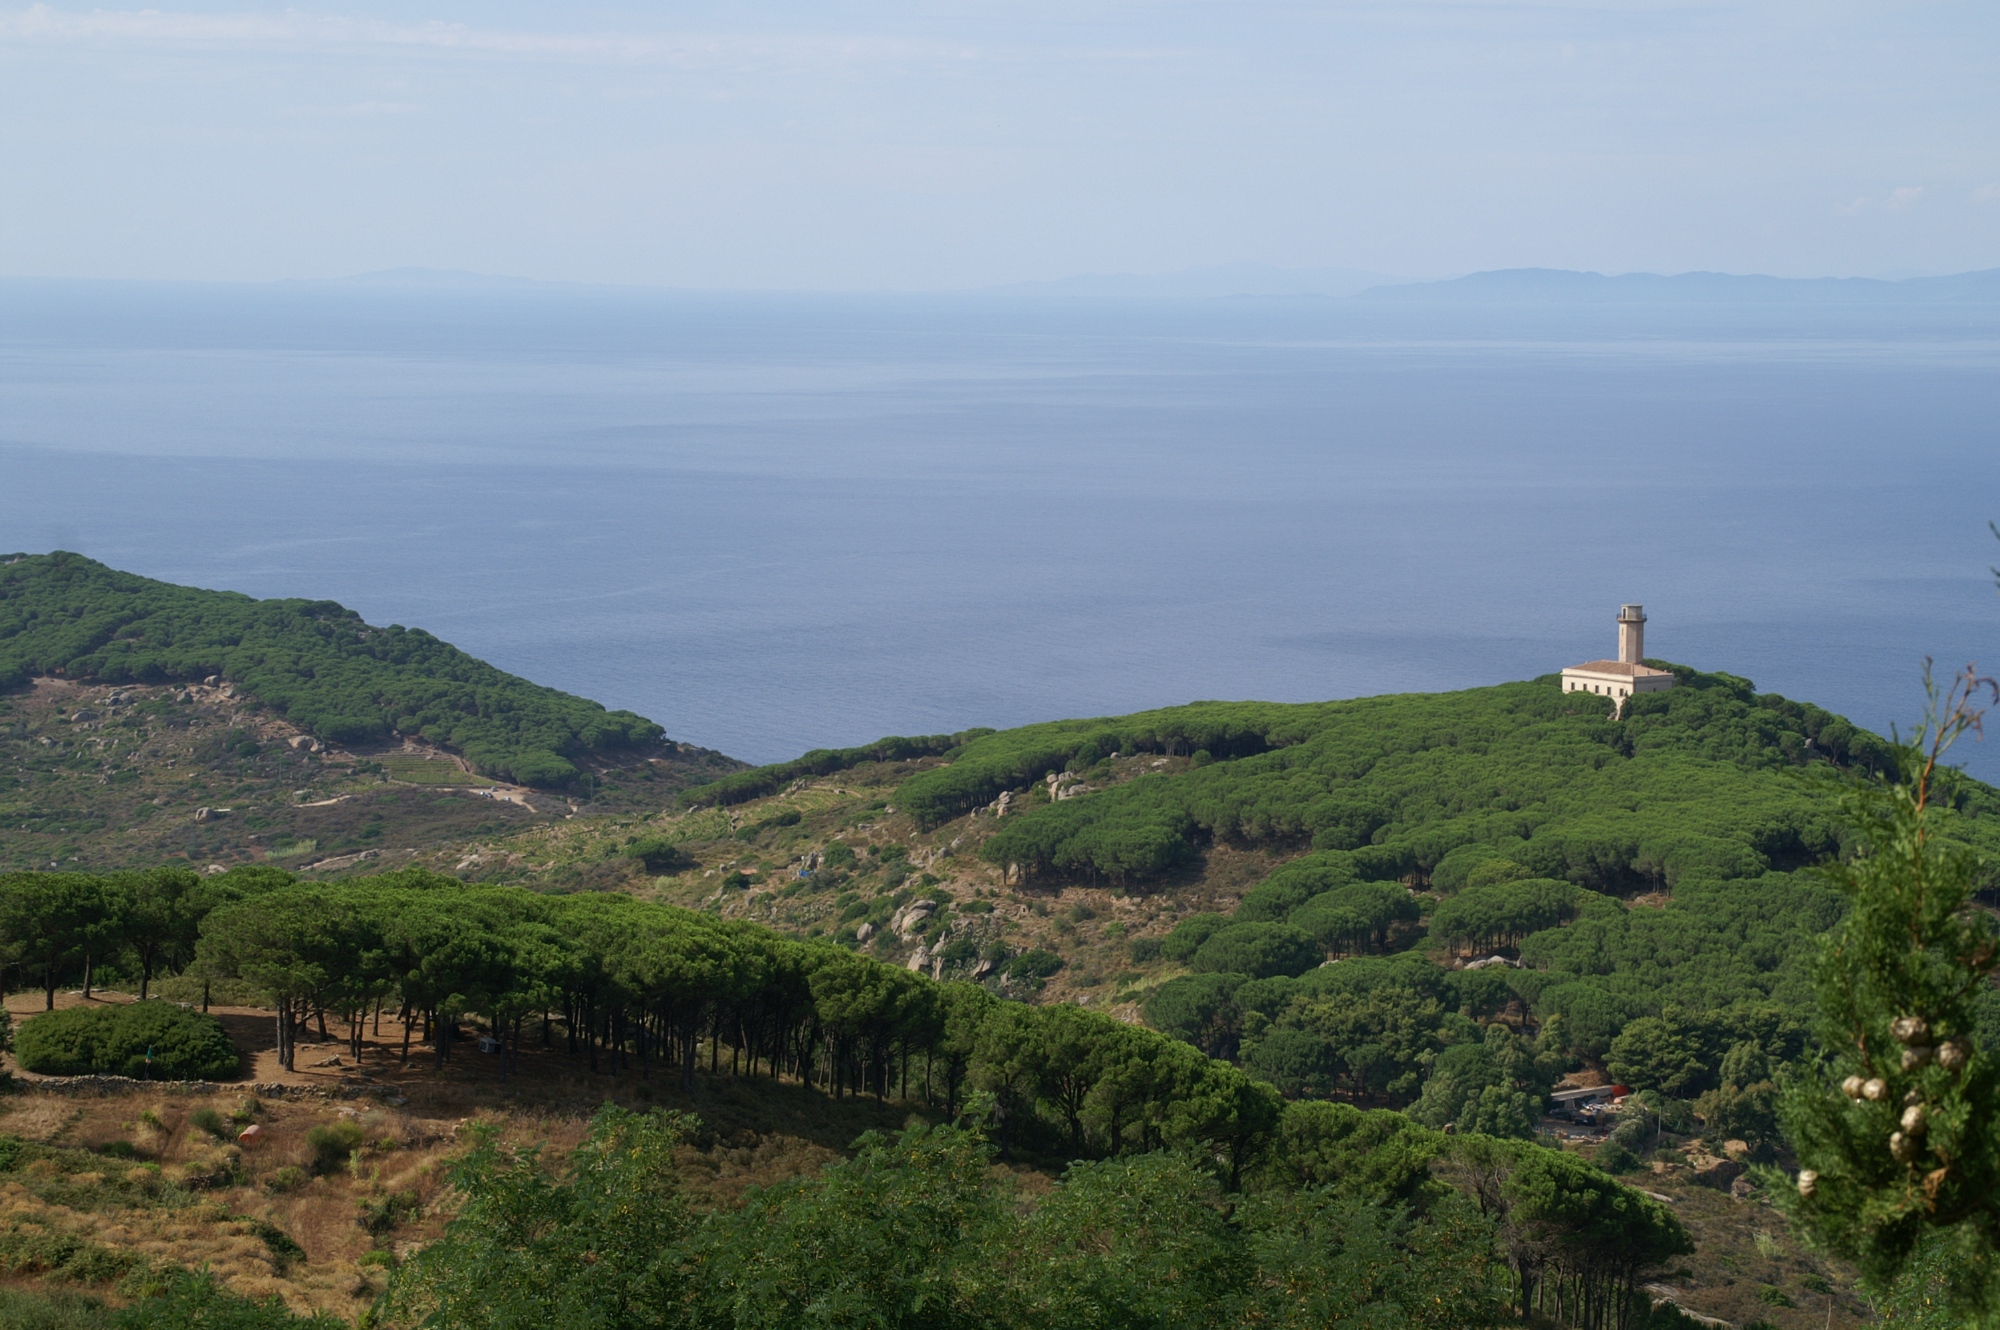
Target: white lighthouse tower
1619, 679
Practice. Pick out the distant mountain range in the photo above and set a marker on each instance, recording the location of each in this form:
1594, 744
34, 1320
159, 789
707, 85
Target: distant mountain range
1515, 286
1559, 286
1499, 287
1229, 279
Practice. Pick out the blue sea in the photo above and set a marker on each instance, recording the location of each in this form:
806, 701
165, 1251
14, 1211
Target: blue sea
774, 523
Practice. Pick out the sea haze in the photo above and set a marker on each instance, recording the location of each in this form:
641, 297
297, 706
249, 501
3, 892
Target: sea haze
775, 523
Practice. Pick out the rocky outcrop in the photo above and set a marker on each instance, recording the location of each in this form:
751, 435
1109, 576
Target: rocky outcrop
906, 921
1713, 1170
1066, 785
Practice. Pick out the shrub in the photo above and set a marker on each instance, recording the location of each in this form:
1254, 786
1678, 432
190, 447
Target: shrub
1035, 965
659, 855
213, 1170
278, 1242
184, 1300
1615, 1158
113, 1040
382, 1214
332, 1145
210, 1121
1633, 1132
1144, 949
962, 951
288, 1178
33, 1249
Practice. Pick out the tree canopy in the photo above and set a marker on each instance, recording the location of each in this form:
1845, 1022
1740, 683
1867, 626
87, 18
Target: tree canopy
1677, 790
919, 1231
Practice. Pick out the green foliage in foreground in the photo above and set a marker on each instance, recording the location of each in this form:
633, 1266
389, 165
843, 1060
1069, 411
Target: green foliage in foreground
1897, 1126
116, 1039
919, 1231
314, 662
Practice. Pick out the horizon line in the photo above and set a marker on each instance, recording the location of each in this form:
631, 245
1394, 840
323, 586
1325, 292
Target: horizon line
468, 280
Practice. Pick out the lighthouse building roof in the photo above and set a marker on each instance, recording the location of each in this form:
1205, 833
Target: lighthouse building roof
1622, 669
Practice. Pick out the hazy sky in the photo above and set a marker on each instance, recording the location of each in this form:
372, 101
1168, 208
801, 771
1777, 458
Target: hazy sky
922, 145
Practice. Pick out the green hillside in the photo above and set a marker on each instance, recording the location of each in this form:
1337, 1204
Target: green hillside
1693, 785
1334, 958
1645, 881
313, 661
1188, 1190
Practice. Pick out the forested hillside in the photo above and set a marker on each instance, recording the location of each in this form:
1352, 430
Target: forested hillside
1639, 889
313, 662
1215, 1202
1327, 956
1413, 784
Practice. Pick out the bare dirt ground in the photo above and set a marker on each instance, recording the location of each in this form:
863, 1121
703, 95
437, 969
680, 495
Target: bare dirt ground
133, 1170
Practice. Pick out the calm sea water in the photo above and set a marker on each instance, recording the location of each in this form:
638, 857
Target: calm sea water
778, 523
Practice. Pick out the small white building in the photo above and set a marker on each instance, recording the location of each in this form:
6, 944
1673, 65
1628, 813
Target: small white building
1619, 679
